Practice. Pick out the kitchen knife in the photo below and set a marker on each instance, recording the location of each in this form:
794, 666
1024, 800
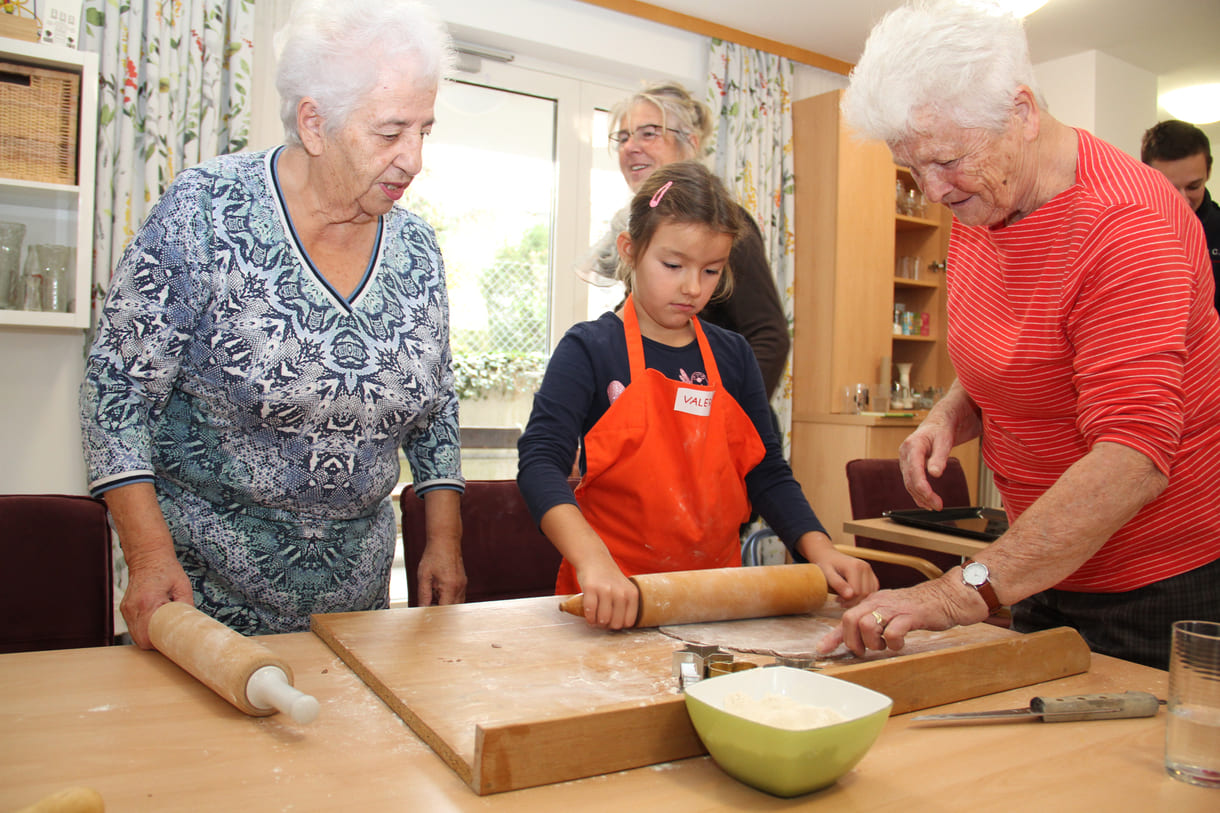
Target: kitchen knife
1064, 709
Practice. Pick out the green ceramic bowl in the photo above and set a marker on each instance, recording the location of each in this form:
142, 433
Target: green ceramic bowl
783, 761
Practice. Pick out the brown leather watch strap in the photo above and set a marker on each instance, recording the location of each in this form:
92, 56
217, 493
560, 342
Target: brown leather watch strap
986, 591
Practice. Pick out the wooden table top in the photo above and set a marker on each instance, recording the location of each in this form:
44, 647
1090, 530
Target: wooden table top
889, 531
147, 736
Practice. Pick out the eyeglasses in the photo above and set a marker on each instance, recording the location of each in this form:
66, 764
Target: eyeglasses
644, 134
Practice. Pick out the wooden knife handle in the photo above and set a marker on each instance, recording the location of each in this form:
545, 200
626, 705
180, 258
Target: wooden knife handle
1109, 706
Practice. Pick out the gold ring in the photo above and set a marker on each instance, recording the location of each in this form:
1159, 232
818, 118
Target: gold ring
879, 618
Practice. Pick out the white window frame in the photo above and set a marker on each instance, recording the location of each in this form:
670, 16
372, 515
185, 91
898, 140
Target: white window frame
574, 141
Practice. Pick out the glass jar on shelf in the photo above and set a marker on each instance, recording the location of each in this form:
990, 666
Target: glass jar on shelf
47, 279
12, 235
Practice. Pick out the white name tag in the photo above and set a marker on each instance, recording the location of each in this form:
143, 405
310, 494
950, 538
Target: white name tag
694, 402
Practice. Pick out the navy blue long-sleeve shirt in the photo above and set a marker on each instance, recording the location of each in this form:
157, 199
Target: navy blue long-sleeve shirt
575, 394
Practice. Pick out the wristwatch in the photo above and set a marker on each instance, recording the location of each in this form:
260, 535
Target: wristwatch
976, 575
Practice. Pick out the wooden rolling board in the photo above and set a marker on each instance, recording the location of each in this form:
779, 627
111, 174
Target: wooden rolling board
459, 672
513, 694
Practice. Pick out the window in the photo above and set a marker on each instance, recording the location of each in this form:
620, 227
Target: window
518, 182
608, 194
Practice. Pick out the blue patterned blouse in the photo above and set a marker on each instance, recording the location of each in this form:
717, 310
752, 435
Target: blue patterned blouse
268, 409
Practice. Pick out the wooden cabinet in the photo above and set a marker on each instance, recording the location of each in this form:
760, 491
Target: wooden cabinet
849, 241
58, 214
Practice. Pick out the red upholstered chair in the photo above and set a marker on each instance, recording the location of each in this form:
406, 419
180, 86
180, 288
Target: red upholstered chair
505, 554
58, 591
875, 486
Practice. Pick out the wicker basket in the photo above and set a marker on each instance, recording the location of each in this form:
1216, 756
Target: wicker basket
39, 108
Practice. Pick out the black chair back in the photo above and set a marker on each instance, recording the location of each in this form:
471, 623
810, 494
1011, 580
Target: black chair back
59, 589
505, 554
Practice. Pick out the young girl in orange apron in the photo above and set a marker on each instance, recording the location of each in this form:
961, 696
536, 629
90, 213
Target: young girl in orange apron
665, 466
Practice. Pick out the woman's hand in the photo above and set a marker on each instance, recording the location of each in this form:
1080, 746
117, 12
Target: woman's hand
955, 419
155, 576
441, 577
883, 619
441, 573
849, 578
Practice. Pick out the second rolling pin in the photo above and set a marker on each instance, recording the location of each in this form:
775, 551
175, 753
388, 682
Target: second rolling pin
722, 594
240, 670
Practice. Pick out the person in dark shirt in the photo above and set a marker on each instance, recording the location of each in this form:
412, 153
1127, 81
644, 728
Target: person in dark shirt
1183, 154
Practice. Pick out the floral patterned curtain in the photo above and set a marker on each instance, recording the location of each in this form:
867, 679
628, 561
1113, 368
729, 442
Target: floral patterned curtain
748, 92
174, 86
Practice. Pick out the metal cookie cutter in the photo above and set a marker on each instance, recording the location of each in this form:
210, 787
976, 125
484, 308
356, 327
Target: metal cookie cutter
695, 662
795, 661
690, 662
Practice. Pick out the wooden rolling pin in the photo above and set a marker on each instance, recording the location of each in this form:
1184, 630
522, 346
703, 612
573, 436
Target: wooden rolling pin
722, 594
240, 670
69, 800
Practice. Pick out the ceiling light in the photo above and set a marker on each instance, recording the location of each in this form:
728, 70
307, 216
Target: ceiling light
1198, 104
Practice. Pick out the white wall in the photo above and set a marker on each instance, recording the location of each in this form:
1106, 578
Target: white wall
41, 371
1112, 99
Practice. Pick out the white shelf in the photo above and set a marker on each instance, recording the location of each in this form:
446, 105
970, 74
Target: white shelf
57, 213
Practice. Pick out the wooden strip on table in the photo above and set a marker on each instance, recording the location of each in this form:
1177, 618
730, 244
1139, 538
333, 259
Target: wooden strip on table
522, 755
929, 679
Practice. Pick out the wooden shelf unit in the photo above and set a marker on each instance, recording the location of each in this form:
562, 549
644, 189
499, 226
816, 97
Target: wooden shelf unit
849, 237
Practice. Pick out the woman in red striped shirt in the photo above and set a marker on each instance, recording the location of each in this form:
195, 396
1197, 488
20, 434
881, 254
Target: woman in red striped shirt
1086, 346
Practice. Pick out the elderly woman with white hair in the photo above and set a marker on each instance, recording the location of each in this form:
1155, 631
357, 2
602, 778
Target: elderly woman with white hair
1085, 343
273, 335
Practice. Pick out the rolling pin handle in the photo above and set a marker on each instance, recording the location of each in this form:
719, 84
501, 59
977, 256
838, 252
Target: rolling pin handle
269, 688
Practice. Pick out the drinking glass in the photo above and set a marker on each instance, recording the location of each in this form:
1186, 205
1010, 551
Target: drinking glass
11, 237
855, 399
1192, 733
52, 265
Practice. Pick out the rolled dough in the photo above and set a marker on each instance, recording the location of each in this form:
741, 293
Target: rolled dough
789, 636
795, 636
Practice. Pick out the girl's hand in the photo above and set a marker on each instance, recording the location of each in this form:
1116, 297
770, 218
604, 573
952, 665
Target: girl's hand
849, 578
611, 600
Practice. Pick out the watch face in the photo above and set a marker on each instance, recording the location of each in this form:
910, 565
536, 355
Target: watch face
975, 573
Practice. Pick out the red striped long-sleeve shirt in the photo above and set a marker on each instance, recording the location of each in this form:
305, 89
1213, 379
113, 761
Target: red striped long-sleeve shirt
1092, 320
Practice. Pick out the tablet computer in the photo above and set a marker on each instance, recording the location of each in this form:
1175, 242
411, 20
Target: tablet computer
975, 522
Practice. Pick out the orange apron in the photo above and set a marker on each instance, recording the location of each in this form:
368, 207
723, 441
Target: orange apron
664, 483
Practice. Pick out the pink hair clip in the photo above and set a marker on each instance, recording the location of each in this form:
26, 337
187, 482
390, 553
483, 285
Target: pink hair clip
656, 199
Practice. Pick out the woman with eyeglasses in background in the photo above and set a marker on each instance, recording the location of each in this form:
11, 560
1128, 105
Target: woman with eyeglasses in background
660, 125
